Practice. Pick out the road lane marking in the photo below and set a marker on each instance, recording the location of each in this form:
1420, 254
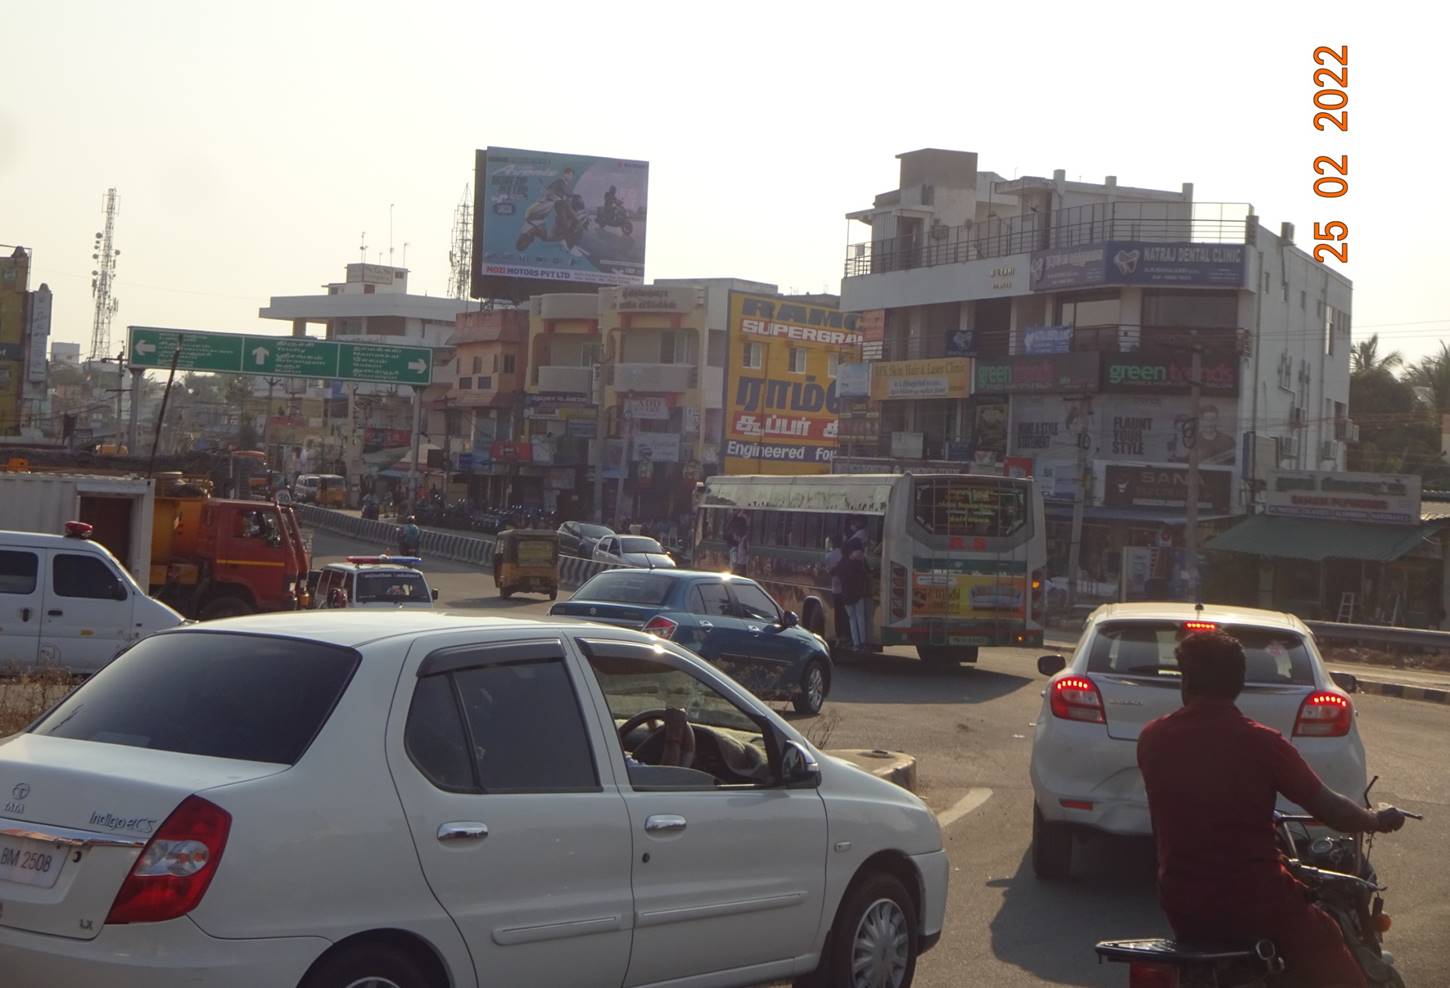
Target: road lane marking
971, 801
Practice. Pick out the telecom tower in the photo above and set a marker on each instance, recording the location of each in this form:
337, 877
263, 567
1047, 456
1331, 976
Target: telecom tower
460, 252
103, 277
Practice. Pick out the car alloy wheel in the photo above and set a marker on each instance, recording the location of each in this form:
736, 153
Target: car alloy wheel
816, 687
881, 947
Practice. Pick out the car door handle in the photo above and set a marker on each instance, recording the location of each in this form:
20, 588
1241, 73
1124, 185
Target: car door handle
55, 613
706, 625
664, 823
464, 830
25, 614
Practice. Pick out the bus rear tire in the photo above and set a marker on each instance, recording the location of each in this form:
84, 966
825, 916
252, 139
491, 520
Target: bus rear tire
813, 615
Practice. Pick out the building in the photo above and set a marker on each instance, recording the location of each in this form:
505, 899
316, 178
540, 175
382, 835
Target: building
68, 354
24, 335
562, 409
481, 413
371, 305
1046, 326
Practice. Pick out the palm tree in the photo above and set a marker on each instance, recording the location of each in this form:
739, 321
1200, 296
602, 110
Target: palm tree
1364, 356
1431, 378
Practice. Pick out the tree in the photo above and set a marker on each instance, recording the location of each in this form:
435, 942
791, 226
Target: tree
1364, 356
1397, 432
1432, 375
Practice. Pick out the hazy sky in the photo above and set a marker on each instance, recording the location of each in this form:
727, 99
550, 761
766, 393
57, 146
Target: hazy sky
253, 143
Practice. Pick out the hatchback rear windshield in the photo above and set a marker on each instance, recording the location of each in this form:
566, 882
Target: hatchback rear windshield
394, 588
640, 545
248, 697
1145, 648
627, 587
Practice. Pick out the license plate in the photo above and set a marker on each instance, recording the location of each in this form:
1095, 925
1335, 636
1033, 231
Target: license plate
967, 640
30, 862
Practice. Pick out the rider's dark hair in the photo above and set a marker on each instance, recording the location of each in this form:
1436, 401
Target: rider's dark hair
1212, 664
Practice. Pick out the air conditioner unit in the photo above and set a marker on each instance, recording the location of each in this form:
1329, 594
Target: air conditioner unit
1296, 418
1288, 447
1327, 450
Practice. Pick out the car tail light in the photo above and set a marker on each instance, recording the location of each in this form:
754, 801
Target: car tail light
661, 626
1323, 715
176, 865
1199, 627
1142, 975
1077, 698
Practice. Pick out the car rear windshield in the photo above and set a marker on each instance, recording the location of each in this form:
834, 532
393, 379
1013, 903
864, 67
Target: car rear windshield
595, 531
394, 588
626, 587
640, 545
249, 697
1145, 648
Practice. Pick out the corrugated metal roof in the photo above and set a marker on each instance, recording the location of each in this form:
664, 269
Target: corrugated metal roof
1435, 511
1316, 539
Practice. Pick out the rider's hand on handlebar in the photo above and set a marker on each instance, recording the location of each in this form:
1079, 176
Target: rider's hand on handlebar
1389, 819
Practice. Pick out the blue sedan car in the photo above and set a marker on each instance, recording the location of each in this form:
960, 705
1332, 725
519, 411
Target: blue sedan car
727, 620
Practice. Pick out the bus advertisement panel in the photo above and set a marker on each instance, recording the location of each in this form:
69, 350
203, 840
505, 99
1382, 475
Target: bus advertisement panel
780, 387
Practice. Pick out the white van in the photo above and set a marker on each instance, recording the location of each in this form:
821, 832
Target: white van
66, 601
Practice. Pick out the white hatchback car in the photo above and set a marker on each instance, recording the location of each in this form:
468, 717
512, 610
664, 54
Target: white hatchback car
632, 550
1123, 675
413, 800
387, 582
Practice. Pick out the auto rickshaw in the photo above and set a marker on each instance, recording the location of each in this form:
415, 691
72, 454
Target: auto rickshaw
526, 559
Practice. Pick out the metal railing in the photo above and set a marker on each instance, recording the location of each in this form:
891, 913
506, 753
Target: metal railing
1078, 226
1379, 634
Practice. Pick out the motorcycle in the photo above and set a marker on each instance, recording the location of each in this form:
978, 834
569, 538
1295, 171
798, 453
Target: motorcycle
613, 214
570, 221
1341, 881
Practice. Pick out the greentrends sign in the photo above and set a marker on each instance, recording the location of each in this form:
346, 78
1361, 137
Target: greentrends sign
1170, 372
1385, 498
780, 418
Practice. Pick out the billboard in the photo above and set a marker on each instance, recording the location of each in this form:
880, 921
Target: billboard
780, 400
1148, 485
1045, 373
544, 221
1153, 371
1132, 262
941, 377
1384, 498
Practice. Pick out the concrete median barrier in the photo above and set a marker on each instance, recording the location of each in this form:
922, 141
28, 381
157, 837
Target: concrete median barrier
893, 766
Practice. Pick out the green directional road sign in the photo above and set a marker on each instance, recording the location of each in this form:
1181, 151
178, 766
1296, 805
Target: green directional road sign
284, 356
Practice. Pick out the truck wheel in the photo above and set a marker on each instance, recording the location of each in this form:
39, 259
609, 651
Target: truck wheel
1051, 848
225, 607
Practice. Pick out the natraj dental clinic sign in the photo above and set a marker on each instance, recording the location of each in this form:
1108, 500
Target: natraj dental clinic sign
1385, 498
1132, 262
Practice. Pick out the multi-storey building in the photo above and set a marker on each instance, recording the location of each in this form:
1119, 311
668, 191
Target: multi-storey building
1049, 326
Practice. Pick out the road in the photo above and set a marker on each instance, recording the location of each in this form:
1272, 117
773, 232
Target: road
971, 731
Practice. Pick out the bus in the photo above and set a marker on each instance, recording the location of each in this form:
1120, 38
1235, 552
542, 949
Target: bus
956, 560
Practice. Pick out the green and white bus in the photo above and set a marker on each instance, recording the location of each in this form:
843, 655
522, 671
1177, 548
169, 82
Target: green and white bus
956, 560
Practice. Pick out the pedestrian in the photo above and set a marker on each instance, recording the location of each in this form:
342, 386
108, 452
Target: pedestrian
409, 537
737, 537
842, 620
855, 588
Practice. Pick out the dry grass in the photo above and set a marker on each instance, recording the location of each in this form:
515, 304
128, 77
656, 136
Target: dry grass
818, 732
1399, 658
27, 693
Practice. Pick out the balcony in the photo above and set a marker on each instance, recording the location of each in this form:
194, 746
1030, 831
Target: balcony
1080, 226
565, 380
659, 378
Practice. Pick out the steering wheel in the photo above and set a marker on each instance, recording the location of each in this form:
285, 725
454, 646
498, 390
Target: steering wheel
681, 752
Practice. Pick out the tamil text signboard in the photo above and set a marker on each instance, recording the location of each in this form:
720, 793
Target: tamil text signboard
1385, 498
281, 356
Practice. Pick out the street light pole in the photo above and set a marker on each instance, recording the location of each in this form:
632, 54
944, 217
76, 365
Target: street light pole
1190, 516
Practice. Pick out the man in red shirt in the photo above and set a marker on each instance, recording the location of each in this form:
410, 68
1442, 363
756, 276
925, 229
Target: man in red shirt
1212, 777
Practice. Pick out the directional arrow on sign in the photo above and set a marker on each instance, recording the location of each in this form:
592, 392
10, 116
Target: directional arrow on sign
260, 356
418, 366
143, 348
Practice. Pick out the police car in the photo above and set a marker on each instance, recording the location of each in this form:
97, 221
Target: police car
374, 582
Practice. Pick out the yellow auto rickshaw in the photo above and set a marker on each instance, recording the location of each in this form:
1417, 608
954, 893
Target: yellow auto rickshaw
526, 559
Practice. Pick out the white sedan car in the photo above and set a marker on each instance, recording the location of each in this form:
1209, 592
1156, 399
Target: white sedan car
1123, 675
632, 550
411, 800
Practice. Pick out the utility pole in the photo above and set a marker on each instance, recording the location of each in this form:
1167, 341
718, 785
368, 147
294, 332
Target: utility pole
625, 462
133, 428
1079, 503
1190, 516
121, 393
417, 443
601, 442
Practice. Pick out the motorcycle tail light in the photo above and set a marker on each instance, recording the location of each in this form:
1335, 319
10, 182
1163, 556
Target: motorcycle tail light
1323, 715
1143, 975
1382, 922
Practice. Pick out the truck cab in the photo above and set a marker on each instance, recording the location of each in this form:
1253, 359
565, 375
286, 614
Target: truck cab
66, 601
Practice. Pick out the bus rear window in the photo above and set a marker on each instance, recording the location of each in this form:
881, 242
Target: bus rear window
968, 506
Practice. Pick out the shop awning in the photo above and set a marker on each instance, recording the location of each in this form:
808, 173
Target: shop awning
1316, 539
1057, 509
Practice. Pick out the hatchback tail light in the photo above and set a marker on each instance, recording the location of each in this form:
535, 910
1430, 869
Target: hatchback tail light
1323, 715
176, 865
1077, 698
1143, 975
661, 626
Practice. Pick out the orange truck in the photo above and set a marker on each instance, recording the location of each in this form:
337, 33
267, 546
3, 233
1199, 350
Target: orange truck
214, 558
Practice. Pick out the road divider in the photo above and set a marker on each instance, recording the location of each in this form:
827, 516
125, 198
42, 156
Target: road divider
893, 766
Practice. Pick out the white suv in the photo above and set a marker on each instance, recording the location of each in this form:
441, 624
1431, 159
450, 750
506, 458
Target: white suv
414, 800
1123, 675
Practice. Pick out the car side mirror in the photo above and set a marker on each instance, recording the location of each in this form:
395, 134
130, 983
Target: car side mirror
1346, 681
1051, 665
798, 767
435, 593
789, 619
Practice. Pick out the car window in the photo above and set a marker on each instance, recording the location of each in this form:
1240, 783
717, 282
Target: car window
595, 531
249, 697
524, 729
711, 599
1145, 648
638, 544
755, 603
255, 525
435, 738
75, 575
18, 571
393, 588
729, 744
627, 587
